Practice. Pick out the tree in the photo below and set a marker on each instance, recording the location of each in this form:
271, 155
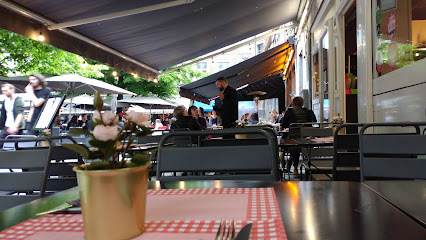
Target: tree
23, 56
166, 87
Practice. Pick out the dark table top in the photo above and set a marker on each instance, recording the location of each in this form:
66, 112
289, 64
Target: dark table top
305, 142
409, 196
310, 210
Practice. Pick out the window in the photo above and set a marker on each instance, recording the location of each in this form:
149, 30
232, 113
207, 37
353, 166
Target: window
260, 47
202, 67
222, 65
400, 35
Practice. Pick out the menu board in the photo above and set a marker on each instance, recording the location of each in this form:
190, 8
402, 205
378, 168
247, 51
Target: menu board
49, 112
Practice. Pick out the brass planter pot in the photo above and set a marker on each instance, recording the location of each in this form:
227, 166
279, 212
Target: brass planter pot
113, 202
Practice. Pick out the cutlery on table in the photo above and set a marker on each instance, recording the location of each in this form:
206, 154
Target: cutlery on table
226, 231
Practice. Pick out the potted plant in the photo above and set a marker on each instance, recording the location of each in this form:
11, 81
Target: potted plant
112, 188
338, 120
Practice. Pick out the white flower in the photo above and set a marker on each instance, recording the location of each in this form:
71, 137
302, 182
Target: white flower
108, 117
138, 118
105, 133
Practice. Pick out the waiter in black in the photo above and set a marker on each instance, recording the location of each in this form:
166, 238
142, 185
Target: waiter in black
229, 99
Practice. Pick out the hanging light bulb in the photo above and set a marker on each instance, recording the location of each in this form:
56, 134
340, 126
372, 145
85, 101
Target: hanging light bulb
135, 75
41, 37
114, 73
84, 65
155, 80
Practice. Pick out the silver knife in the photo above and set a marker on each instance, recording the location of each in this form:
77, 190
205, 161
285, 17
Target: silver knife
244, 234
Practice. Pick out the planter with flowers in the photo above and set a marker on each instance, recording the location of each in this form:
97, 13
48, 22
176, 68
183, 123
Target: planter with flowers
240, 124
112, 188
338, 120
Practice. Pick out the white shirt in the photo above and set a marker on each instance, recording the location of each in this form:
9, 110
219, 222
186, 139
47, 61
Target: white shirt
8, 106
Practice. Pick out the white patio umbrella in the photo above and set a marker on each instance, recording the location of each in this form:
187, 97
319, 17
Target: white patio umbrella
148, 100
73, 83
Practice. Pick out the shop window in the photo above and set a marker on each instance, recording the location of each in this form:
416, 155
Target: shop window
222, 65
260, 47
401, 36
202, 67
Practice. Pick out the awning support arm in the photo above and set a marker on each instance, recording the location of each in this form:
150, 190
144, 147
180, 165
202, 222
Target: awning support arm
118, 14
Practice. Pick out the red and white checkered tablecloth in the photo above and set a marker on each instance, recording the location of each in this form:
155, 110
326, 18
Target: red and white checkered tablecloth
197, 216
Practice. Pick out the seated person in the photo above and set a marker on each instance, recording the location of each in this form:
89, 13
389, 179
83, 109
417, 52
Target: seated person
72, 123
158, 124
193, 111
85, 123
214, 119
183, 120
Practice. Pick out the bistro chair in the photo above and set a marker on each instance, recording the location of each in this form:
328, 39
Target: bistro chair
61, 175
346, 153
393, 154
219, 161
24, 172
318, 161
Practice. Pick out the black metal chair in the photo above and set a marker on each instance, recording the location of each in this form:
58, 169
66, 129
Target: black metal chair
346, 154
396, 153
220, 160
25, 172
317, 161
61, 175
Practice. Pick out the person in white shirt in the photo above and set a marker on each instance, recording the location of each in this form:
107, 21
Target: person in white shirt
12, 112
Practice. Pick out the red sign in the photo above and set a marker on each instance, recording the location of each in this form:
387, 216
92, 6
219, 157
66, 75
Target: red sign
392, 25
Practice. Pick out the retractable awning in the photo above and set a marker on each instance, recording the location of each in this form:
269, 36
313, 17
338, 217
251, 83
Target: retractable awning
261, 67
147, 42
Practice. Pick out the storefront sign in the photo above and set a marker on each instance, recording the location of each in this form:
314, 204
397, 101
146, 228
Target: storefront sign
387, 5
392, 25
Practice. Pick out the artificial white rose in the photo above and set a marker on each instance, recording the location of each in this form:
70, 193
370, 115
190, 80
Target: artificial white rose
105, 133
108, 117
138, 118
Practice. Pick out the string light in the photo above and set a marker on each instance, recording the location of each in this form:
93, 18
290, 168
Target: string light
84, 65
114, 73
41, 37
155, 80
135, 75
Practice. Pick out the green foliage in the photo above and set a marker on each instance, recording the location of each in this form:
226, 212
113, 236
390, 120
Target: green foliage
22, 55
140, 159
79, 148
166, 87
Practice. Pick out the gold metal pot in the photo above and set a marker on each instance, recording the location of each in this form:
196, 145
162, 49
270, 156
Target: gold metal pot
113, 202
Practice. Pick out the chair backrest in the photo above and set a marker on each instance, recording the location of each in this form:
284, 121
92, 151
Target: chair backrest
26, 181
315, 132
346, 154
395, 155
61, 175
228, 161
11, 146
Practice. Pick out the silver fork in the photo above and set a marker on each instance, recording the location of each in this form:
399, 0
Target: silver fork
226, 228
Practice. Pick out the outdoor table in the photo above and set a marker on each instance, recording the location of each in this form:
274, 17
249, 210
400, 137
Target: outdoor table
310, 143
409, 196
306, 210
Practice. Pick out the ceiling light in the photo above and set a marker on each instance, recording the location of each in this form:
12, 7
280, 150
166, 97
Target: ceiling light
41, 37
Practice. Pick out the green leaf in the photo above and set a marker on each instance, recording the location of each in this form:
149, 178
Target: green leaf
140, 159
79, 148
78, 131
